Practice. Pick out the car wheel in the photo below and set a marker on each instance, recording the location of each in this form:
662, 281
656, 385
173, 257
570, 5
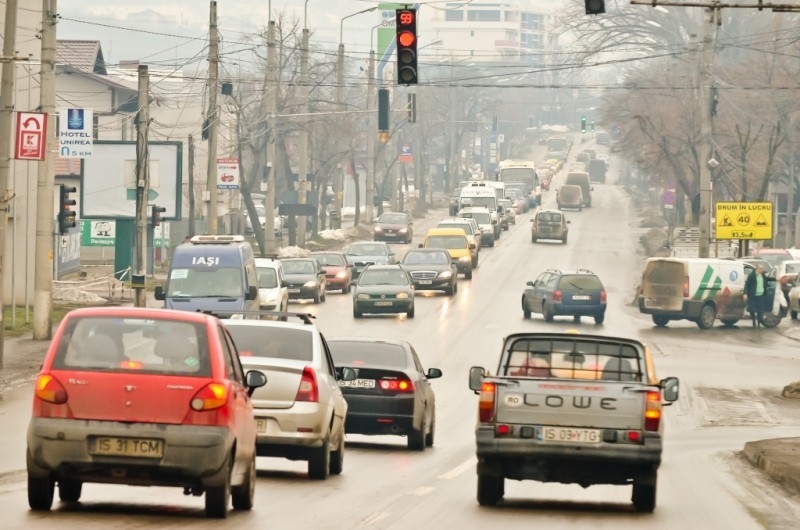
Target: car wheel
793, 314
337, 458
533, 239
356, 313
644, 493
243, 496
410, 312
547, 313
69, 490
40, 493
450, 291
526, 312
490, 489
768, 320
660, 320
707, 317
319, 464
576, 319
564, 240
217, 496
580, 208
416, 438
317, 297
468, 274
432, 432
346, 288
599, 318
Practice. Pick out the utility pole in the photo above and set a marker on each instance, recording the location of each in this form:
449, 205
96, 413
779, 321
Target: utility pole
706, 80
142, 181
272, 106
6, 111
452, 176
212, 118
370, 139
303, 162
191, 187
45, 181
338, 177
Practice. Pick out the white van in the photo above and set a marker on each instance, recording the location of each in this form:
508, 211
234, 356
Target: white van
698, 289
481, 194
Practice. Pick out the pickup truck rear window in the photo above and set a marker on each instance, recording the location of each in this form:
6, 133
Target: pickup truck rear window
572, 359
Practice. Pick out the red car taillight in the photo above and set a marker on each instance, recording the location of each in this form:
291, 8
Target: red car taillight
308, 389
49, 389
652, 411
603, 297
396, 385
210, 397
557, 296
486, 403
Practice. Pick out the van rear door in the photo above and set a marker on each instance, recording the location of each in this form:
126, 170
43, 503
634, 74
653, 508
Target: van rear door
665, 284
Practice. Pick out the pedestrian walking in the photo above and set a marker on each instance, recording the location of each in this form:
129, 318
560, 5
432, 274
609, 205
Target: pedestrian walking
755, 294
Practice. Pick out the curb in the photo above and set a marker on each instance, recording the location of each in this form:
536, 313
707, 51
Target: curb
778, 459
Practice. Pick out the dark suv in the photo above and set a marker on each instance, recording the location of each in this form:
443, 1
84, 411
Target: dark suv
577, 294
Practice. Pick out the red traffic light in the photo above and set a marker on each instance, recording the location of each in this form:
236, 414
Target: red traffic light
406, 39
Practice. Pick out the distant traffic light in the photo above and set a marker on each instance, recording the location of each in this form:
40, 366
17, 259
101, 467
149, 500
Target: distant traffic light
406, 23
383, 110
592, 125
595, 7
155, 214
66, 217
583, 124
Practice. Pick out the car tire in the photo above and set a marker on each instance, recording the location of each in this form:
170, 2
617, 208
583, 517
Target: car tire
217, 496
599, 318
490, 489
410, 312
644, 493
580, 208
547, 313
356, 313
346, 288
429, 438
533, 239
564, 240
319, 464
243, 496
450, 291
40, 493
337, 458
576, 319
468, 274
317, 297
70, 490
768, 320
416, 438
526, 312
660, 320
707, 316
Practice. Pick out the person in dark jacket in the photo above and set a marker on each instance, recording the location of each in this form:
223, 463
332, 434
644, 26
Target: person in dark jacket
755, 294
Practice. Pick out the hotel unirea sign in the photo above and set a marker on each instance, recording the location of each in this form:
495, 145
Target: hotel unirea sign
75, 139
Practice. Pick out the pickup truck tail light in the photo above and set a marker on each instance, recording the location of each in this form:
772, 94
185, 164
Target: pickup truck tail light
686, 287
557, 296
652, 411
486, 403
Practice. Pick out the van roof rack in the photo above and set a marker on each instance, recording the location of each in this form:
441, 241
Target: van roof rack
216, 239
305, 317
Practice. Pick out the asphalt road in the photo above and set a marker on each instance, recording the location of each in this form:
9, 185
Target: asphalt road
731, 381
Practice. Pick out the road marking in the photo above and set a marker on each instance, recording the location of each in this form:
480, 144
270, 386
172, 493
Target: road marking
763, 411
422, 490
456, 471
374, 518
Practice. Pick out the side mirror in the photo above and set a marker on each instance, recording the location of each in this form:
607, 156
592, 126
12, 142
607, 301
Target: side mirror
433, 373
531, 284
252, 292
476, 374
494, 222
159, 292
670, 387
568, 222
254, 379
348, 374
532, 220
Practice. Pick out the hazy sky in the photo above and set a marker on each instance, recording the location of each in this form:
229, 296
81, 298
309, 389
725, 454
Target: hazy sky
165, 31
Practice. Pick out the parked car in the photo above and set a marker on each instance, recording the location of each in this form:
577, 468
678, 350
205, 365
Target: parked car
305, 279
338, 272
431, 269
549, 224
393, 226
383, 289
774, 256
363, 253
786, 274
392, 394
555, 293
569, 196
146, 397
300, 414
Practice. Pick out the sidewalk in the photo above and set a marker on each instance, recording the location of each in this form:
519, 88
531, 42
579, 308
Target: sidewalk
22, 359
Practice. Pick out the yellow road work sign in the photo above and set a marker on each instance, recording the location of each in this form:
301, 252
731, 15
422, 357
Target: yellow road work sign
744, 220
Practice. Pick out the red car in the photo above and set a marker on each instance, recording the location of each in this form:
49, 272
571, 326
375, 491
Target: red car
338, 272
144, 397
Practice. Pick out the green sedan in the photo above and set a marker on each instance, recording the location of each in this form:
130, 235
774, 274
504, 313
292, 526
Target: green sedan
383, 289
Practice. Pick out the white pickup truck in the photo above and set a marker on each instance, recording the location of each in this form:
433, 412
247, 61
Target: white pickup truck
574, 409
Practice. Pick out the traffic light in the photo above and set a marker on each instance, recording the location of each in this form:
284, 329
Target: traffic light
383, 109
66, 217
406, 23
592, 125
583, 124
412, 108
155, 214
595, 7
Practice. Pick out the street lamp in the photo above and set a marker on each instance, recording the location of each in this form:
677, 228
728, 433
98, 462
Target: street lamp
341, 22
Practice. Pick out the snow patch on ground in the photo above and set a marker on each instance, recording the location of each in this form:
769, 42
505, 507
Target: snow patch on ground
293, 252
71, 294
335, 235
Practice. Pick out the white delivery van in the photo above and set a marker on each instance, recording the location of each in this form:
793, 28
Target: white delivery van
698, 289
481, 194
